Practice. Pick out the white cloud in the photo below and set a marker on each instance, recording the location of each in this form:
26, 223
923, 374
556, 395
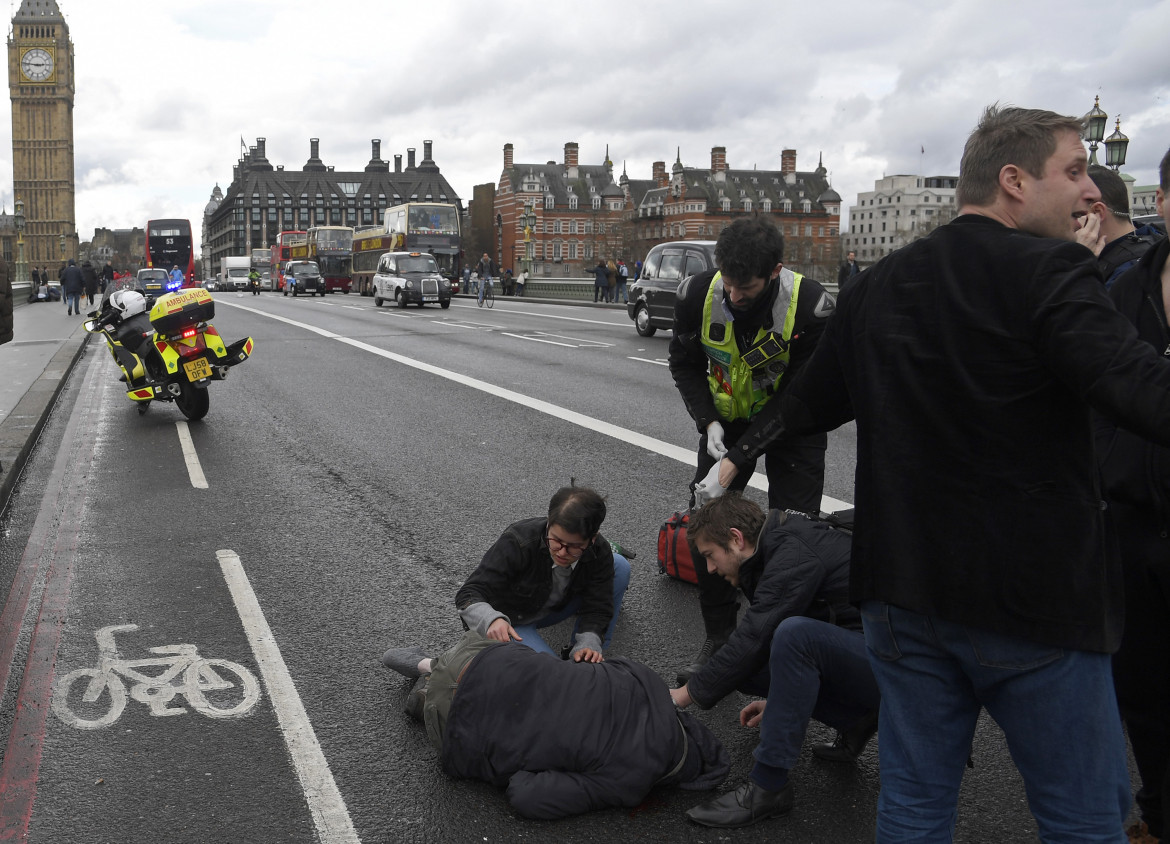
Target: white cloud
159, 117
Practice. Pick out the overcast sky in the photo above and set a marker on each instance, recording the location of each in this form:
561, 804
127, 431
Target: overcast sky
166, 90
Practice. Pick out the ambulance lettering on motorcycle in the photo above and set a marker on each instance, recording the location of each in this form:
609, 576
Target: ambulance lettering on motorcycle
93, 698
172, 355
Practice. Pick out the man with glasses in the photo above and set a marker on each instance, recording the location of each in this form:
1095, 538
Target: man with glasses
544, 570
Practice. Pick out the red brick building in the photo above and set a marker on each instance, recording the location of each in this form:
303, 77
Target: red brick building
583, 215
579, 212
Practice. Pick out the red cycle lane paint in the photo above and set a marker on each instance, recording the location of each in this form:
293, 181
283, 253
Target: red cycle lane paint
64, 498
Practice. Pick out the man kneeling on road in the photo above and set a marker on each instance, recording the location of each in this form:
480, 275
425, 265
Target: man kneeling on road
542, 571
799, 645
563, 737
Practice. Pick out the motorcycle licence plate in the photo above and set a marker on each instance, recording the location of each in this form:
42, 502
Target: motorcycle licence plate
197, 369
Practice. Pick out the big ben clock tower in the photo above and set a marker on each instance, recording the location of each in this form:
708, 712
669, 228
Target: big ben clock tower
41, 86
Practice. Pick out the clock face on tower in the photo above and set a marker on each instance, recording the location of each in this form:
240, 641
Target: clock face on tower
36, 64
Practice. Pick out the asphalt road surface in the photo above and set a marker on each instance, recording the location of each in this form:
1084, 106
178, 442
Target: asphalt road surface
345, 481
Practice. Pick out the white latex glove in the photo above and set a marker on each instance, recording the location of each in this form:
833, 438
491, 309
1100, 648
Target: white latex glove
715, 446
708, 489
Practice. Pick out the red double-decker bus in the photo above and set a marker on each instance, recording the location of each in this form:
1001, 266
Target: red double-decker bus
332, 248
168, 244
281, 255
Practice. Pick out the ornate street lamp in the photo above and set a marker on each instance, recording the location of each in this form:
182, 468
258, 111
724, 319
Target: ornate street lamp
1095, 122
529, 220
1115, 147
18, 219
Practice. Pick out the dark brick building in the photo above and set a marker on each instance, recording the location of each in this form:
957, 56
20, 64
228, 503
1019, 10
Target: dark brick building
263, 199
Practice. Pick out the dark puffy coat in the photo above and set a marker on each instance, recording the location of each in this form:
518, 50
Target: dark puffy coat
801, 567
1136, 472
89, 278
515, 577
72, 280
570, 737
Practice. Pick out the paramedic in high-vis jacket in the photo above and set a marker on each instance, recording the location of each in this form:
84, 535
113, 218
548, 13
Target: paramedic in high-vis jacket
740, 334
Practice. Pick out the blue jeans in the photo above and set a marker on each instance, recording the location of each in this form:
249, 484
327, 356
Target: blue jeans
621, 579
484, 286
73, 302
815, 670
1056, 708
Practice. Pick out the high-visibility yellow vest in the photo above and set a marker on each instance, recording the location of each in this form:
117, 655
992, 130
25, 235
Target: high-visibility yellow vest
742, 383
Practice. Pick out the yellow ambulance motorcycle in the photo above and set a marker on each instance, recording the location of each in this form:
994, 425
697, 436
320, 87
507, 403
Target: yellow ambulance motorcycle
171, 355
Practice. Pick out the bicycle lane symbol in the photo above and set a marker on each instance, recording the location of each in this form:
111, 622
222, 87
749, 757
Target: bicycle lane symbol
216, 688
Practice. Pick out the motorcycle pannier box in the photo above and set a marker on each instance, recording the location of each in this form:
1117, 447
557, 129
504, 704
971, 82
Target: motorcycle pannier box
176, 311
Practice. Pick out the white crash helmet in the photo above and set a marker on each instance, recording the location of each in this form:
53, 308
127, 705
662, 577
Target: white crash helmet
128, 302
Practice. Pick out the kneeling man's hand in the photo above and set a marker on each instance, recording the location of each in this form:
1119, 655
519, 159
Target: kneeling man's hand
587, 655
751, 714
502, 631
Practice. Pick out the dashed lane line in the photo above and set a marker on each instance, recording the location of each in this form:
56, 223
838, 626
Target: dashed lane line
190, 456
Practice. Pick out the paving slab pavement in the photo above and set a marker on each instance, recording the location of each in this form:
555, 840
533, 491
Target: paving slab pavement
47, 342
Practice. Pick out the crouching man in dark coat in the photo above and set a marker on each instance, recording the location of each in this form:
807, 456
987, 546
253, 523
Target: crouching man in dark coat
616, 733
799, 645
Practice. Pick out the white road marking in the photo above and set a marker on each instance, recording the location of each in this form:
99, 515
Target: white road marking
683, 455
647, 360
194, 469
454, 325
538, 340
355, 307
557, 316
329, 811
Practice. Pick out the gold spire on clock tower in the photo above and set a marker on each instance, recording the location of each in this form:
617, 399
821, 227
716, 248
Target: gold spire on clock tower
41, 87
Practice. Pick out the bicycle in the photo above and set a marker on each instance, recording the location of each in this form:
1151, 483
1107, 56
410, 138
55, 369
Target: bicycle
200, 676
487, 295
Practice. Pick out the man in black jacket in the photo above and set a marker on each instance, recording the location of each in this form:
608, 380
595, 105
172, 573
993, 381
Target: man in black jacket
563, 737
847, 271
1136, 474
1119, 245
542, 571
982, 562
740, 335
799, 645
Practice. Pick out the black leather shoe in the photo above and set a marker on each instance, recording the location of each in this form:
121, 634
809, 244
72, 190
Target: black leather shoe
710, 646
849, 743
745, 806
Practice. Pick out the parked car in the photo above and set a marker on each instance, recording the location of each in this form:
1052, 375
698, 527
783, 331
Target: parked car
410, 278
304, 277
653, 294
152, 280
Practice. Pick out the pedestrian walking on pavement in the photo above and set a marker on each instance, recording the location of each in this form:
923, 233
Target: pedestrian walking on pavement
107, 277
72, 285
89, 278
